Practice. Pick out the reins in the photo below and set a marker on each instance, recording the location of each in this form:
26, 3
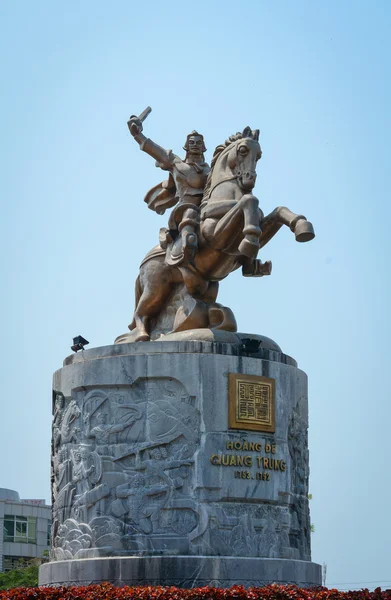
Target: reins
223, 181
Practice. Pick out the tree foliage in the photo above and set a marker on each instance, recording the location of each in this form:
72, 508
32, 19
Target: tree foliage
23, 576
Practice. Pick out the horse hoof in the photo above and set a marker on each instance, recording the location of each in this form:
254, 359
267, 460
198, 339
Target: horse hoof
256, 268
248, 248
304, 231
143, 337
266, 268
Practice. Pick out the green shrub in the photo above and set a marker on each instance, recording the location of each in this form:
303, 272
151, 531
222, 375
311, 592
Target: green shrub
20, 577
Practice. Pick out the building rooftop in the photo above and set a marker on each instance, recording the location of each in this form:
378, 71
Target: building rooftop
9, 495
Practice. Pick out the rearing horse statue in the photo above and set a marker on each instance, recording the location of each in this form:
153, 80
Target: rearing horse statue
231, 230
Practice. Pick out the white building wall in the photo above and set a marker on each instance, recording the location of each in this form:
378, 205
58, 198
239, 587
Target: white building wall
1, 544
10, 504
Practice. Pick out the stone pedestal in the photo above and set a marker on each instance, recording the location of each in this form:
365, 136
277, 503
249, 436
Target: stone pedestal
153, 485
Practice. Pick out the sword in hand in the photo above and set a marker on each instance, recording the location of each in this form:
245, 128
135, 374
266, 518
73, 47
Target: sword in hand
135, 123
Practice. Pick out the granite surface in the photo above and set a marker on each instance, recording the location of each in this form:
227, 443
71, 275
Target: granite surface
182, 571
144, 464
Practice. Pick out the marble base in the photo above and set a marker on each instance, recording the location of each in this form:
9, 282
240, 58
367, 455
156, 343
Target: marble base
181, 571
155, 482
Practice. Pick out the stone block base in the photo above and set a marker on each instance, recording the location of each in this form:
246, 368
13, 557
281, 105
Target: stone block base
181, 571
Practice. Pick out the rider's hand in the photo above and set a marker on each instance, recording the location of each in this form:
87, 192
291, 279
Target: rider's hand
135, 126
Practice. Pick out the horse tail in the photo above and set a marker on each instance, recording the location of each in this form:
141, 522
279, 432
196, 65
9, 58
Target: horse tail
138, 290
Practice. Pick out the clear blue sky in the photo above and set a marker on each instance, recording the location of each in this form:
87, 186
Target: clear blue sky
314, 77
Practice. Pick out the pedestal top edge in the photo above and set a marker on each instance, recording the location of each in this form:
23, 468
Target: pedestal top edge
183, 557
181, 347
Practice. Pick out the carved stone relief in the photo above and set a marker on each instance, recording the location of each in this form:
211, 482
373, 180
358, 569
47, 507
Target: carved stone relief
122, 465
123, 481
298, 450
258, 530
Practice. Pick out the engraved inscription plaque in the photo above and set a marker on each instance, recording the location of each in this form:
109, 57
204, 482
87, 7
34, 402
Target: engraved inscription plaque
251, 402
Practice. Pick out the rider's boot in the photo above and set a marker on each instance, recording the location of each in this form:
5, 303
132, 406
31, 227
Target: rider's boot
189, 243
188, 228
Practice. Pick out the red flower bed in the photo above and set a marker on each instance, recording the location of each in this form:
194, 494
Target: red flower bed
107, 591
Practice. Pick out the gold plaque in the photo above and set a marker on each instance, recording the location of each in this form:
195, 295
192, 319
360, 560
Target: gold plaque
251, 402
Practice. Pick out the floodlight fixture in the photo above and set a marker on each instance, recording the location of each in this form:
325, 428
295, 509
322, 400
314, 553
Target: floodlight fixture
250, 346
78, 343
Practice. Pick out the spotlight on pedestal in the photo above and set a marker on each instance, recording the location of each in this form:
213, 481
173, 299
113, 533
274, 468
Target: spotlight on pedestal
250, 346
78, 343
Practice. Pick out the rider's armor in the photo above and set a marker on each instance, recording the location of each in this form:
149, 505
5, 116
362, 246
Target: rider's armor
184, 189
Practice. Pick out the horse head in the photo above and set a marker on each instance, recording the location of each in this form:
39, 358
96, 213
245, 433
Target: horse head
243, 158
236, 159
71, 413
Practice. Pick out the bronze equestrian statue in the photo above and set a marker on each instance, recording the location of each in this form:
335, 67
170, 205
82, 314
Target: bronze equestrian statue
215, 228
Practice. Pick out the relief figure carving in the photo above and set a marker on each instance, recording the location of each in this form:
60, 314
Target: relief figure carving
103, 430
140, 501
132, 465
86, 469
67, 430
61, 471
64, 419
298, 450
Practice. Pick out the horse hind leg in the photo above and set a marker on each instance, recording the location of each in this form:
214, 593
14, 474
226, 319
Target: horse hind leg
138, 290
141, 324
143, 313
155, 287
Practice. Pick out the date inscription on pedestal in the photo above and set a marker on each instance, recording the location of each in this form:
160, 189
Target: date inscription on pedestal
251, 402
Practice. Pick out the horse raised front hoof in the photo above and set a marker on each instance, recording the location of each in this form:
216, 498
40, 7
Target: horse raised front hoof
248, 248
304, 231
256, 268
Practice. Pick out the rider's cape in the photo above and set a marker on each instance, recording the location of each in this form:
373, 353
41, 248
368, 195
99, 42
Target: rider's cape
162, 196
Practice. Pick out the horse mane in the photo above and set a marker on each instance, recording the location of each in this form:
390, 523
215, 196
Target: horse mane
246, 133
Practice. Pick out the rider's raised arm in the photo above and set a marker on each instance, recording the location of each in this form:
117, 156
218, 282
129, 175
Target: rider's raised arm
164, 158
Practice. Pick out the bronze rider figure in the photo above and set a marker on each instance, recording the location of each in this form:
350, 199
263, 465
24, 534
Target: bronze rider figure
183, 189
